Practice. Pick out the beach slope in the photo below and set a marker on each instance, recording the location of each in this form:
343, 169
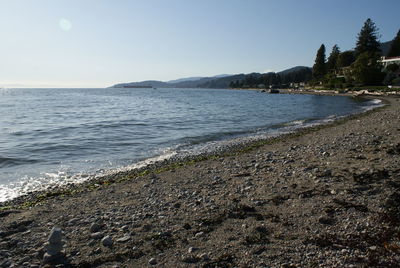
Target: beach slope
326, 197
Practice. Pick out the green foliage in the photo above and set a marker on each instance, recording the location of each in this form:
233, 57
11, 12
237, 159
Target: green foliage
396, 81
281, 79
332, 81
392, 67
345, 59
333, 58
389, 78
367, 70
395, 48
319, 68
367, 39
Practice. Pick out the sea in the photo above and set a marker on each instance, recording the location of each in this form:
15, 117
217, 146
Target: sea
56, 136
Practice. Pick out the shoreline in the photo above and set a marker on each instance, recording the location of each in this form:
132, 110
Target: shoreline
114, 176
324, 196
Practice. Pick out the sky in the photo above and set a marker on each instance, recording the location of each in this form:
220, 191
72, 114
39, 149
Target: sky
98, 43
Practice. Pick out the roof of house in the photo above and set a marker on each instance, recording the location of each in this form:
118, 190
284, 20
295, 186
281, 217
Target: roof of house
390, 58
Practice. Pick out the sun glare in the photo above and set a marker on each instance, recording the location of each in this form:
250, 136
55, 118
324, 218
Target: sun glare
65, 24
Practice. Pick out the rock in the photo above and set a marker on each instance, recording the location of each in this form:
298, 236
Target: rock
123, 239
204, 257
325, 220
152, 261
199, 234
54, 248
107, 241
6, 263
124, 228
73, 222
24, 259
54, 254
96, 251
191, 249
94, 227
55, 235
97, 235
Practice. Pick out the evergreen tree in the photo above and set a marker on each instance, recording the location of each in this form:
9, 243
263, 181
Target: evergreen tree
333, 58
395, 48
367, 69
345, 59
319, 68
367, 40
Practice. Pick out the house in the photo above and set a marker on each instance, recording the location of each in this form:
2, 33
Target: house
389, 60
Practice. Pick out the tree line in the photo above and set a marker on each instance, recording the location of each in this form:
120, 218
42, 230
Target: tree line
272, 79
358, 67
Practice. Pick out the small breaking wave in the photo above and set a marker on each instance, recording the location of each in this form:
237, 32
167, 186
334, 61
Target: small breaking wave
9, 161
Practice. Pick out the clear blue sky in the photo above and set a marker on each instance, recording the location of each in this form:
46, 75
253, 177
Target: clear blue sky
97, 43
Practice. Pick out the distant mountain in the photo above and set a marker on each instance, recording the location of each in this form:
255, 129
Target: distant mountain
295, 74
185, 79
222, 82
192, 79
294, 69
190, 82
148, 83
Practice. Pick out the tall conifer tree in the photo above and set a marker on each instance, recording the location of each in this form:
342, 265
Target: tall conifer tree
368, 38
319, 68
395, 48
332, 59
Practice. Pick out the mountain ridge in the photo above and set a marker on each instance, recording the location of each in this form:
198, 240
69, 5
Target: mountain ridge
218, 81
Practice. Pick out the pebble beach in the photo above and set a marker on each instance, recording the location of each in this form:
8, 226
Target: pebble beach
326, 196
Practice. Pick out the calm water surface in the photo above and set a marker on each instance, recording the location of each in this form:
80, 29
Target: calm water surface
53, 136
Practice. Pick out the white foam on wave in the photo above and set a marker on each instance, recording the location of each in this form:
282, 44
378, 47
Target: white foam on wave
372, 104
52, 180
167, 154
375, 102
295, 123
45, 182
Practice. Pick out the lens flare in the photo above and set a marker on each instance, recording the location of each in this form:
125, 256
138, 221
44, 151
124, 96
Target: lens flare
65, 24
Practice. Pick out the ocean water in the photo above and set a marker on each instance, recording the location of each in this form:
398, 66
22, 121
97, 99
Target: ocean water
54, 136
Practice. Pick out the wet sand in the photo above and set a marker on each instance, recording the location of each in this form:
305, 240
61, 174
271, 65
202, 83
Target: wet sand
322, 197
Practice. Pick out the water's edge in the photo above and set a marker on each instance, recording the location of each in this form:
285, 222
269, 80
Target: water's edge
170, 161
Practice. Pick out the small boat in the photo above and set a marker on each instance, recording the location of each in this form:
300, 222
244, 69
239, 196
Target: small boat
273, 91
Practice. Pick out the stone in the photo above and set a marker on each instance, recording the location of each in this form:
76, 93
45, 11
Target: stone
192, 249
55, 235
94, 228
97, 251
73, 222
5, 264
199, 234
97, 235
124, 228
152, 261
54, 246
326, 220
204, 257
107, 241
123, 239
25, 259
